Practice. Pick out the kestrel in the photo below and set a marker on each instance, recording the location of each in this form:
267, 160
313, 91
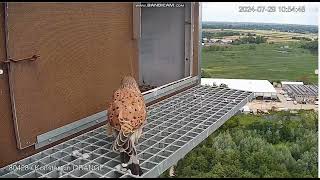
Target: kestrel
126, 118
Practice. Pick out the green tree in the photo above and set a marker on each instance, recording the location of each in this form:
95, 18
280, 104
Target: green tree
205, 74
277, 145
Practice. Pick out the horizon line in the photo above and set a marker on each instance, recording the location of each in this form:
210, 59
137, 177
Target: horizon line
262, 23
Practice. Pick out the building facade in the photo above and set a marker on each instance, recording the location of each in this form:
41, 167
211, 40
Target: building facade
61, 63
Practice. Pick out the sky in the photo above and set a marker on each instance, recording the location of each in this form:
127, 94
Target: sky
229, 11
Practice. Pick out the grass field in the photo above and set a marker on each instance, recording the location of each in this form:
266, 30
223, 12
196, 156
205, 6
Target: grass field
265, 61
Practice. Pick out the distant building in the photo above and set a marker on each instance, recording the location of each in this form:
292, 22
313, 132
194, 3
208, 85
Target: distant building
291, 82
212, 40
302, 93
220, 41
226, 40
262, 89
284, 47
245, 110
205, 39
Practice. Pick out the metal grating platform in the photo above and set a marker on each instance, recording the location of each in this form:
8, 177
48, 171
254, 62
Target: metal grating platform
175, 126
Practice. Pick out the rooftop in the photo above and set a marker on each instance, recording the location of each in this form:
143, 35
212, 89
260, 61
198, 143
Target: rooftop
304, 90
251, 85
291, 82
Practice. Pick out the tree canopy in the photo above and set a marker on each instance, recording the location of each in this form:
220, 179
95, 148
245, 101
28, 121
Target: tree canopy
311, 45
276, 145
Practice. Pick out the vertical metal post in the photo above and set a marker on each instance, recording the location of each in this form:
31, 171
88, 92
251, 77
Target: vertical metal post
199, 40
136, 20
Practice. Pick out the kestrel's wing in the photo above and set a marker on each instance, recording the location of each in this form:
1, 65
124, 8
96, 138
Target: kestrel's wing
127, 110
126, 114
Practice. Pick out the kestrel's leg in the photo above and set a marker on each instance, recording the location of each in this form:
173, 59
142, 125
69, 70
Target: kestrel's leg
124, 157
122, 144
134, 166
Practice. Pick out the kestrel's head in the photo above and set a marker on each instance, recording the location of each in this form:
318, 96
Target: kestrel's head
129, 82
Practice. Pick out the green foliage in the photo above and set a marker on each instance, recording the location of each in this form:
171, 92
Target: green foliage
250, 39
276, 145
205, 74
217, 48
219, 34
305, 79
312, 46
302, 38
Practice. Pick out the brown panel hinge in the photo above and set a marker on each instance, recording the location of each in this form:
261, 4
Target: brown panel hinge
32, 58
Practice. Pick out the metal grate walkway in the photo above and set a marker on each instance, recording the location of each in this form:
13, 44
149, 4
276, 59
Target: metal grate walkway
175, 126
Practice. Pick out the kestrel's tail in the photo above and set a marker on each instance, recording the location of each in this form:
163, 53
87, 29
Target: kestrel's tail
124, 143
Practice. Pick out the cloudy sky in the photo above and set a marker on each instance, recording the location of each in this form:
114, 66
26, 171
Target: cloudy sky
229, 11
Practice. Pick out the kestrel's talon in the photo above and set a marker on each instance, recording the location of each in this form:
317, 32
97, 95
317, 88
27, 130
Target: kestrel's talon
118, 167
121, 167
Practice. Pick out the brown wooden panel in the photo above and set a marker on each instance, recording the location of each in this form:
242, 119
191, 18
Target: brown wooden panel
84, 50
8, 147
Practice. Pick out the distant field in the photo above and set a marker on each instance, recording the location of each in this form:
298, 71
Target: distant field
266, 61
275, 36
